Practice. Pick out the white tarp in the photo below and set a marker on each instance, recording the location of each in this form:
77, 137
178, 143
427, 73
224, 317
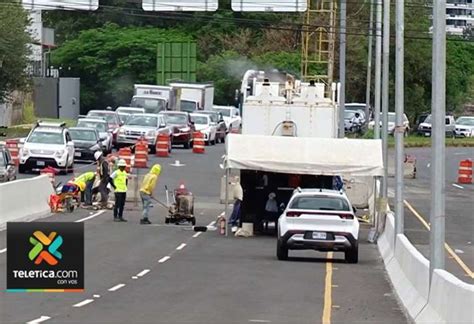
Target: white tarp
299, 155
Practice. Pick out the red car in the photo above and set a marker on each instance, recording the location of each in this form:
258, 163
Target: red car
182, 128
112, 118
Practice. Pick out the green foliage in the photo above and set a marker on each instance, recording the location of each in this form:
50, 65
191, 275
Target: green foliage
110, 60
13, 48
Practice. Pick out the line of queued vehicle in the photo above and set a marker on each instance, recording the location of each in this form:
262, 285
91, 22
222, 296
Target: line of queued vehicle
55, 145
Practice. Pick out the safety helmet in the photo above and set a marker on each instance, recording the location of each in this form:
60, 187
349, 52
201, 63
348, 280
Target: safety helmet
156, 169
81, 185
97, 155
122, 163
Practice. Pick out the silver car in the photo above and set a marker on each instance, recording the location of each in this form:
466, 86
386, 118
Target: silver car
464, 126
147, 126
7, 167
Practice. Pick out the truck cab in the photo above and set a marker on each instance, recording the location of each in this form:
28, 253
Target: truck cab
154, 98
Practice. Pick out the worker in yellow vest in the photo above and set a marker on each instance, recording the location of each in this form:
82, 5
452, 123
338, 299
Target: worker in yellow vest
88, 179
146, 191
119, 182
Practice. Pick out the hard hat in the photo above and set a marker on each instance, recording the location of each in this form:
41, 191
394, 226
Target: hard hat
81, 185
122, 163
97, 155
156, 169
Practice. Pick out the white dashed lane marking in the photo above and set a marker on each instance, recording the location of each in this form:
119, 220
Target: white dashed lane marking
39, 320
144, 272
117, 287
90, 217
181, 246
83, 303
164, 259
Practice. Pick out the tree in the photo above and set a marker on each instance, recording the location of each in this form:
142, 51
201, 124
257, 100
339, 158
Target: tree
111, 59
14, 49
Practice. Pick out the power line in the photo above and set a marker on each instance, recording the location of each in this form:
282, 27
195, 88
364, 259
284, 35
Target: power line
258, 23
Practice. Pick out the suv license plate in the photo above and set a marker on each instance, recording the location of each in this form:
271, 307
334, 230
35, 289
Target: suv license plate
319, 236
40, 163
77, 154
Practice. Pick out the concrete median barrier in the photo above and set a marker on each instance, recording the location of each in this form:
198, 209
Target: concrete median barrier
409, 272
450, 300
387, 239
24, 200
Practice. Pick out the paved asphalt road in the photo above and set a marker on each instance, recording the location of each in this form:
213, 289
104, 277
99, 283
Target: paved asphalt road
459, 209
207, 278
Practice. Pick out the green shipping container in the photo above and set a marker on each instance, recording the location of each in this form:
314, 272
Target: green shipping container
176, 61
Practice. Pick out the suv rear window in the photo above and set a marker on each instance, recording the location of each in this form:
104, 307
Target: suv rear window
46, 138
320, 203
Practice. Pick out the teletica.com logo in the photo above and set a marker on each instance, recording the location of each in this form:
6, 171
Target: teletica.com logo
45, 248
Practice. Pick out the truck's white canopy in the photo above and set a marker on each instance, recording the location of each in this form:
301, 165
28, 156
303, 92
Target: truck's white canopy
300, 155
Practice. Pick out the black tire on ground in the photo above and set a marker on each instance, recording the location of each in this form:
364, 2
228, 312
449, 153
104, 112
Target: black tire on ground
71, 168
214, 142
282, 251
193, 221
21, 169
152, 149
207, 143
187, 145
170, 146
167, 220
352, 255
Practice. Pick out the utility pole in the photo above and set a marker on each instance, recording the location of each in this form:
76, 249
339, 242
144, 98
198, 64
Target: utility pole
399, 109
438, 113
342, 68
385, 87
378, 61
369, 61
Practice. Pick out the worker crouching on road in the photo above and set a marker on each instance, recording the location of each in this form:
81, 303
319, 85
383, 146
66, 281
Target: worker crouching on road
238, 194
120, 182
88, 179
146, 191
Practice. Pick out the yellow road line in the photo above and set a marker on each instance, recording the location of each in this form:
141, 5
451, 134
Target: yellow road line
453, 254
328, 291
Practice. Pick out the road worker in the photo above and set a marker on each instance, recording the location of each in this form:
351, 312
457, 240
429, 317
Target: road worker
120, 182
104, 174
146, 191
88, 179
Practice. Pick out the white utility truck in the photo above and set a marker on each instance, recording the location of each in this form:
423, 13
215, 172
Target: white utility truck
289, 140
195, 96
304, 112
154, 98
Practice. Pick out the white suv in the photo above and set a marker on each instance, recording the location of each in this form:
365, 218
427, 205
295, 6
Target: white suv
48, 144
318, 219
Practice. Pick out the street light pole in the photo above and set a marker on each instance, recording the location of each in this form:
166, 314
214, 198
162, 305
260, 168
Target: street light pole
385, 88
378, 61
399, 109
438, 113
342, 67
369, 62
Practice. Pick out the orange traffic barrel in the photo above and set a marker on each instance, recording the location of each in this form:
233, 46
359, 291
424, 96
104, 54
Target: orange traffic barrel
162, 146
141, 154
465, 172
198, 144
12, 146
125, 153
